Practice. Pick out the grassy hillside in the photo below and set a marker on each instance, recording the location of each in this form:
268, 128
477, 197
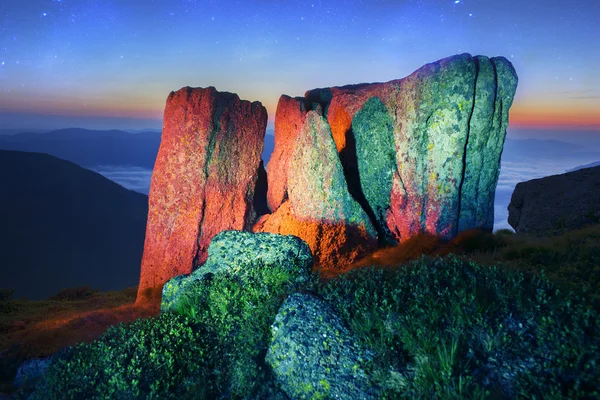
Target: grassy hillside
66, 226
503, 316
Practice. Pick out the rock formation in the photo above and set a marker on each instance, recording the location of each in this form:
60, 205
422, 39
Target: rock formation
289, 119
314, 354
203, 181
419, 154
235, 253
557, 202
320, 209
353, 167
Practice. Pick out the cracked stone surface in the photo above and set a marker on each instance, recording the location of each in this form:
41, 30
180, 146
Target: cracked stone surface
203, 181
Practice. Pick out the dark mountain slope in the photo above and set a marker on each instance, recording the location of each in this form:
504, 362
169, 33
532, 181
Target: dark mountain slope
89, 148
64, 226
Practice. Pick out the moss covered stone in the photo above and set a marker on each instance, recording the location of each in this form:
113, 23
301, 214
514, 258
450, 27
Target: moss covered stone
376, 157
235, 253
314, 355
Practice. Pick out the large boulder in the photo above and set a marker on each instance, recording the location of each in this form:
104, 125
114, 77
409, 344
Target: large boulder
203, 181
320, 209
235, 254
421, 154
314, 354
556, 203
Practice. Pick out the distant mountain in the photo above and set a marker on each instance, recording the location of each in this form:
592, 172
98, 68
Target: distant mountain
142, 130
90, 148
65, 226
591, 165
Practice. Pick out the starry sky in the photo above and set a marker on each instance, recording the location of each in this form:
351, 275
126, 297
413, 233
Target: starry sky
111, 63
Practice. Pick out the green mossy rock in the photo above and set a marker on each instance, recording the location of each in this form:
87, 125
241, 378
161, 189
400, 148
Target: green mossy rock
376, 157
317, 187
314, 355
235, 252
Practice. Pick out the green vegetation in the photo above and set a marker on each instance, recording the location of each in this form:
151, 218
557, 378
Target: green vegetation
449, 328
506, 316
241, 309
167, 357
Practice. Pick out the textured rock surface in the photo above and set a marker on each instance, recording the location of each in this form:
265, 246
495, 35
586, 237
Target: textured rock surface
314, 355
236, 252
320, 209
557, 202
289, 119
494, 91
446, 125
203, 180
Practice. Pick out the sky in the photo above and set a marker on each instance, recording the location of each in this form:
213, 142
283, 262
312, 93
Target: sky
112, 63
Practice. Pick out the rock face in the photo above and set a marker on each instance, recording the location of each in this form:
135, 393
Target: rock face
203, 181
320, 209
314, 355
419, 154
234, 253
558, 202
289, 119
353, 167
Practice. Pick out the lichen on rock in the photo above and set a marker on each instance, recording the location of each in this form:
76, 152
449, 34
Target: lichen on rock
235, 253
313, 353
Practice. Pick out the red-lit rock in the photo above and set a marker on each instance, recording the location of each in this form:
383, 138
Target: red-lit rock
422, 154
289, 119
203, 181
320, 209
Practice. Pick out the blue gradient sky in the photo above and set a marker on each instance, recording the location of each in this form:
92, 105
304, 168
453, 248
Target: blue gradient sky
112, 63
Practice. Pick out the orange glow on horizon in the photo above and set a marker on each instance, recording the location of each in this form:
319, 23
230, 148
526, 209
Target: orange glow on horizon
583, 118
520, 115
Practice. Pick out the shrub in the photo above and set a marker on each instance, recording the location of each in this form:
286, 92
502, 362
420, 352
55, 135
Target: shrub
6, 294
164, 357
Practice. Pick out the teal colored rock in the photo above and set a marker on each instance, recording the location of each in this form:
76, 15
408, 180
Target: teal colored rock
376, 157
494, 90
317, 187
434, 109
448, 124
314, 355
234, 253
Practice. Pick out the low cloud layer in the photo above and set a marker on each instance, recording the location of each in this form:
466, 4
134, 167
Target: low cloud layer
133, 178
517, 166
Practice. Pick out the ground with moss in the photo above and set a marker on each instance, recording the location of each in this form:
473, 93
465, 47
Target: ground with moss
502, 317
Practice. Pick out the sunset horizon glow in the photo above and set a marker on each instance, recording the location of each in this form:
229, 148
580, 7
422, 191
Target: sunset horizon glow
114, 62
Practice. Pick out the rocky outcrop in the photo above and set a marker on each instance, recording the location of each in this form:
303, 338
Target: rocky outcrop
313, 353
203, 181
419, 154
289, 119
320, 209
353, 167
235, 254
557, 202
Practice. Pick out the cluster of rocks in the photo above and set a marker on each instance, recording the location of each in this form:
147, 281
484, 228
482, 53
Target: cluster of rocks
313, 353
353, 168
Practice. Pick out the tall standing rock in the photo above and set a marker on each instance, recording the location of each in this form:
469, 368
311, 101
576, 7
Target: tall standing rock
203, 181
320, 209
289, 119
422, 154
487, 133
